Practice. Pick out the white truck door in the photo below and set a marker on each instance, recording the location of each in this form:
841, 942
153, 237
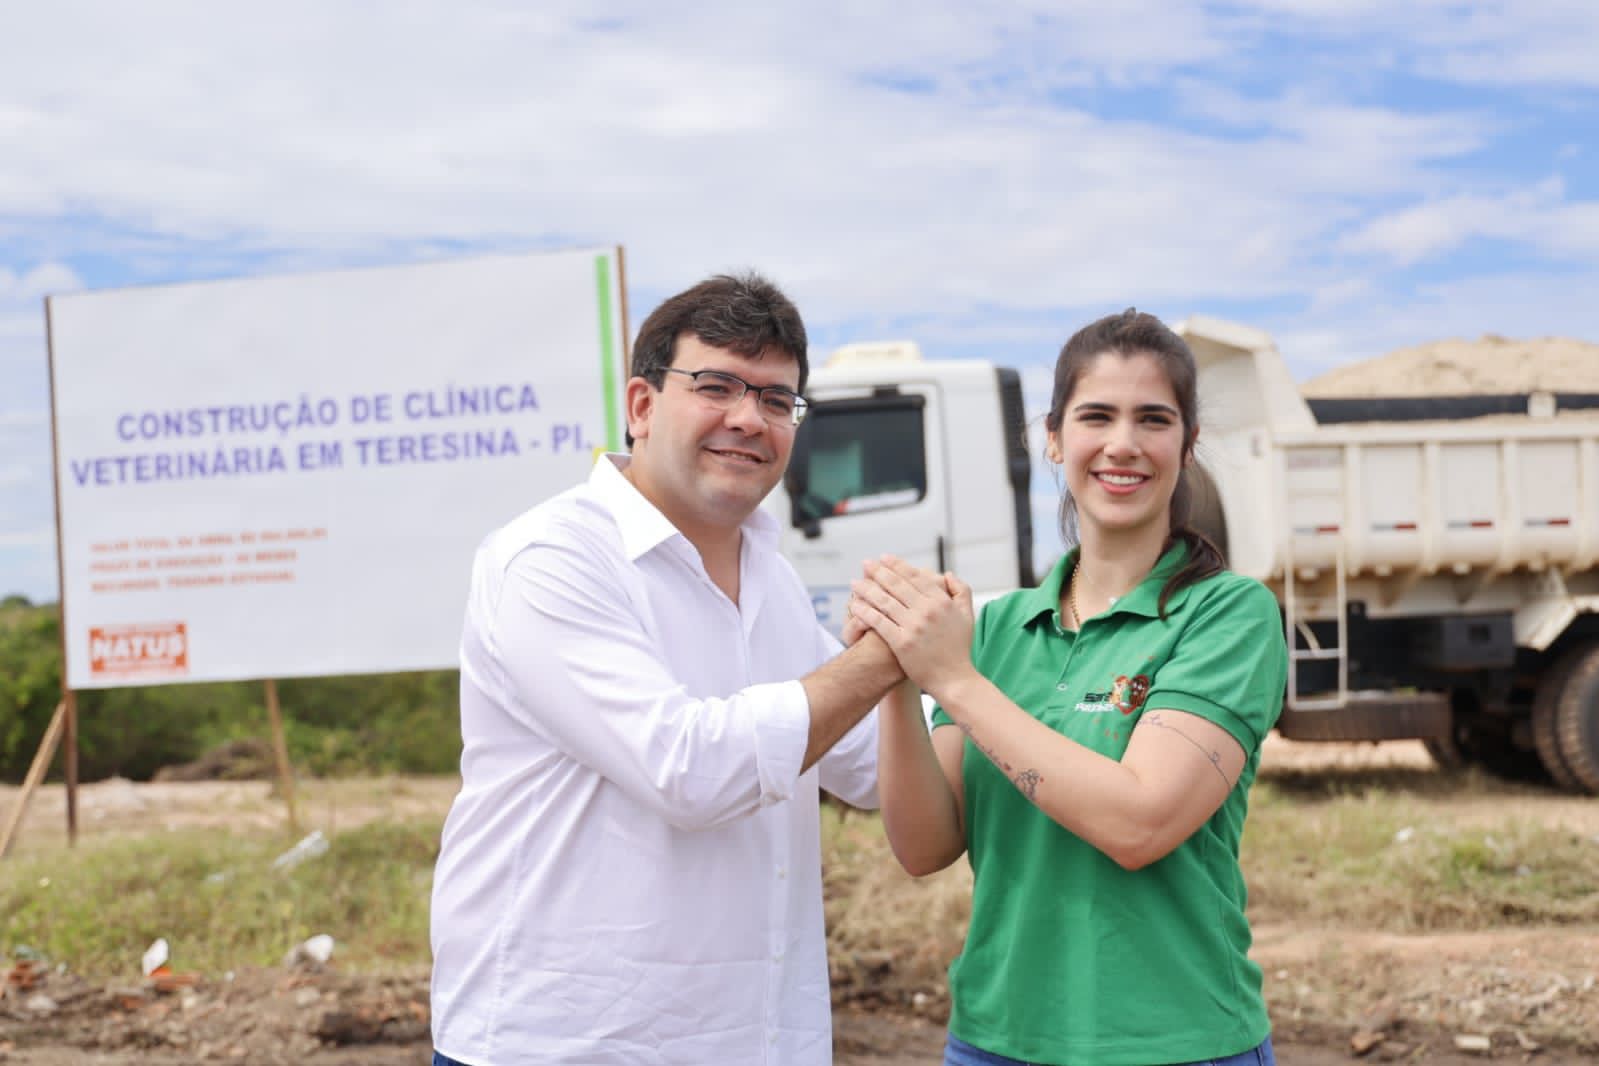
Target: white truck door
867, 477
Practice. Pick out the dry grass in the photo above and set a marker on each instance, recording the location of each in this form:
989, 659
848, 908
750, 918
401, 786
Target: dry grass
890, 936
1372, 857
1383, 850
217, 899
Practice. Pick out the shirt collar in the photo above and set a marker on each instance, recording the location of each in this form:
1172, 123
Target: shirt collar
1045, 599
1144, 599
642, 525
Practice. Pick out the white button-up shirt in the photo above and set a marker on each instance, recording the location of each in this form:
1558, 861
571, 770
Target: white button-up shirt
631, 872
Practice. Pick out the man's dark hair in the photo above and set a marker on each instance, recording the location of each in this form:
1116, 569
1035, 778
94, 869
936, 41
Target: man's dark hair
745, 314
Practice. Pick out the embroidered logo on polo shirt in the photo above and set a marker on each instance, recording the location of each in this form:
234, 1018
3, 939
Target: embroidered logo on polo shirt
1095, 703
1127, 693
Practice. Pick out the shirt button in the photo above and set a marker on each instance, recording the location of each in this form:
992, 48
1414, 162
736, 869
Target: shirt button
1061, 687
771, 1038
782, 872
777, 956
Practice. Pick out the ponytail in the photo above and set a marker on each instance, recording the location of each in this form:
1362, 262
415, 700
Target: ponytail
1204, 558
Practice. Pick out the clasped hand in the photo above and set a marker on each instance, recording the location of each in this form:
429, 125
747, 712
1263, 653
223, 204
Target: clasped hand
923, 617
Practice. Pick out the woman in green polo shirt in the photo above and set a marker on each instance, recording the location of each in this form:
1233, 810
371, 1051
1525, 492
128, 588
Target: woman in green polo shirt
1107, 729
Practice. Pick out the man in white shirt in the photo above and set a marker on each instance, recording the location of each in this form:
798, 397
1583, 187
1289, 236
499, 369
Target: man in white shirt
631, 871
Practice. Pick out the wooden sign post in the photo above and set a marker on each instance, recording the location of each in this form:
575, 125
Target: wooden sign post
36, 772
280, 753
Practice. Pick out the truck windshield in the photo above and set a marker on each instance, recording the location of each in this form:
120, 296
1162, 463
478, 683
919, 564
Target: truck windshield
857, 456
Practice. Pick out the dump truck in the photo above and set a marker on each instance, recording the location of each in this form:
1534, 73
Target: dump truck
1436, 559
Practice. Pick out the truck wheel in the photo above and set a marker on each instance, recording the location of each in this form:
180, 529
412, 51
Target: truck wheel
1477, 738
1546, 720
1577, 720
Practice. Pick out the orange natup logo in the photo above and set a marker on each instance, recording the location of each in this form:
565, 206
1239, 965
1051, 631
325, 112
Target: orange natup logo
139, 648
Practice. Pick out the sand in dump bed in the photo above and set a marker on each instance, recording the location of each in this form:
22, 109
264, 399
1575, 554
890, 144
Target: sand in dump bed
1492, 364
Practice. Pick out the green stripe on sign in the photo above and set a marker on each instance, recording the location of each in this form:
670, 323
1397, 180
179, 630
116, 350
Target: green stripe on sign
602, 281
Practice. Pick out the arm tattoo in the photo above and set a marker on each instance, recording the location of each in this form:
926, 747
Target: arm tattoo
992, 757
1213, 757
1027, 781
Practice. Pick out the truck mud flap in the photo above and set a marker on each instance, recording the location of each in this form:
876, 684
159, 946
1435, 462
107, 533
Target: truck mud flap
1372, 716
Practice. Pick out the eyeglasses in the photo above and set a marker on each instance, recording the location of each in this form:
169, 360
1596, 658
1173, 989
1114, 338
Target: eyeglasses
778, 405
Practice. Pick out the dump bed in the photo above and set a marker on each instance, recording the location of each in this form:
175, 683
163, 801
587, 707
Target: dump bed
1417, 517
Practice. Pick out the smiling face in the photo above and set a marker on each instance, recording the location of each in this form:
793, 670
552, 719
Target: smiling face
708, 469
1122, 446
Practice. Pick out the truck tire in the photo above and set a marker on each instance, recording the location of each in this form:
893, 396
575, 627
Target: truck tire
1477, 738
1546, 720
1577, 720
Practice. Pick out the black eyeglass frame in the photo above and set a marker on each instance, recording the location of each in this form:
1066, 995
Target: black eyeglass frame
801, 404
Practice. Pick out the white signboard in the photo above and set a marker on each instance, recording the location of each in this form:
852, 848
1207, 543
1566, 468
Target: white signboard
287, 477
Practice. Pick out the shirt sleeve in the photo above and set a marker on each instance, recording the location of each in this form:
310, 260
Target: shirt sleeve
849, 769
583, 672
1230, 665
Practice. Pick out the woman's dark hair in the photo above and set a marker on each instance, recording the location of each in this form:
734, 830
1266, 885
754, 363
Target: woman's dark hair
1130, 333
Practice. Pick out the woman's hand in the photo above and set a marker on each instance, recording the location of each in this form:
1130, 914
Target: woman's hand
925, 618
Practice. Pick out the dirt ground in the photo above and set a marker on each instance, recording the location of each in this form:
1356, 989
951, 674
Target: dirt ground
1524, 994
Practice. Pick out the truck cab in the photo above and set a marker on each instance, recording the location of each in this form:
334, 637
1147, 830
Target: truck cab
925, 459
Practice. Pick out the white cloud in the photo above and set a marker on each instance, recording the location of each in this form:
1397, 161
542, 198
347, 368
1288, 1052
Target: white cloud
721, 137
24, 374
28, 565
26, 471
13, 474
1539, 217
1344, 293
1539, 43
25, 464
1548, 43
38, 282
315, 124
36, 537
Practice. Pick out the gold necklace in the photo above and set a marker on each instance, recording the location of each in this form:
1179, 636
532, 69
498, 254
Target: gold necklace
1071, 600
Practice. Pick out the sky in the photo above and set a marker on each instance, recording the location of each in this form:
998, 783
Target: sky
1351, 176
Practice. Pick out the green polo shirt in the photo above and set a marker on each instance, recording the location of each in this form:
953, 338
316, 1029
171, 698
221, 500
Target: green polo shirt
1069, 958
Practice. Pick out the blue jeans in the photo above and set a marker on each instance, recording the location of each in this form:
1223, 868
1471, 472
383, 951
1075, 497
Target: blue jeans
958, 1052
441, 1059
